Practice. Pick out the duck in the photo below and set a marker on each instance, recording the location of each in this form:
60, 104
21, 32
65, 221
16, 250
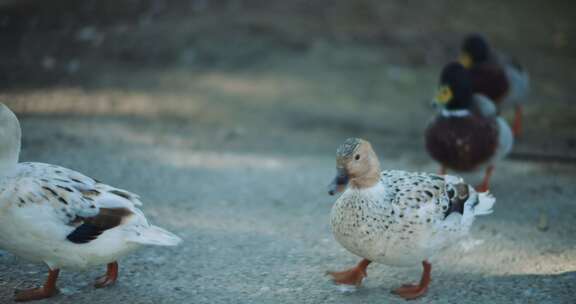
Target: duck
498, 77
395, 217
467, 134
57, 216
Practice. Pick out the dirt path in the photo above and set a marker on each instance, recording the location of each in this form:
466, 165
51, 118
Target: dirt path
235, 157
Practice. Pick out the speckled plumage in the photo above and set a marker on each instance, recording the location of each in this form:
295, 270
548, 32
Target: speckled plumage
406, 217
68, 192
396, 217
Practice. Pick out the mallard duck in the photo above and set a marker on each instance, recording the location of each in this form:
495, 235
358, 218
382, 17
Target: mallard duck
65, 219
466, 134
500, 79
396, 217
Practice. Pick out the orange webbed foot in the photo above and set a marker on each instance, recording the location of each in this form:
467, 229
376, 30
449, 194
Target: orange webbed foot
413, 291
353, 276
517, 125
485, 186
410, 291
348, 277
48, 290
34, 294
109, 278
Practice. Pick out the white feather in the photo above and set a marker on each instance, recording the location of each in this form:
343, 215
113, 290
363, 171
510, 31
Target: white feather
155, 235
485, 105
505, 140
485, 204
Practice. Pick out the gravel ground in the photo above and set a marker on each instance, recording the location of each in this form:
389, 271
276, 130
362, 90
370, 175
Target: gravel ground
235, 157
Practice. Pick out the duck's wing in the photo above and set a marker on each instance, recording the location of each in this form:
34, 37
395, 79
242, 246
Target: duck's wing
518, 78
507, 60
83, 207
505, 139
417, 195
484, 106
432, 198
490, 79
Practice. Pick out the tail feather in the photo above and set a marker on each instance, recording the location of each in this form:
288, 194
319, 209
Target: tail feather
485, 203
155, 235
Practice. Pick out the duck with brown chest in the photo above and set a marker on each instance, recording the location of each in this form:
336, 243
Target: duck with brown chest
466, 134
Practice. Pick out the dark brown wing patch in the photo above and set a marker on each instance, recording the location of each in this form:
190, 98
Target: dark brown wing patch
457, 196
90, 228
462, 143
490, 80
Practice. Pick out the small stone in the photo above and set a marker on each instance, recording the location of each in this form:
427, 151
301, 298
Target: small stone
543, 222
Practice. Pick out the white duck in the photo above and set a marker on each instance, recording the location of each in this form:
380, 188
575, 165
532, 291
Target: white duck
65, 219
395, 217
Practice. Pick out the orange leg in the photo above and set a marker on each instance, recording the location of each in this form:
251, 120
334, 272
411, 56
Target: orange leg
486, 181
46, 291
109, 278
411, 291
443, 170
353, 276
517, 127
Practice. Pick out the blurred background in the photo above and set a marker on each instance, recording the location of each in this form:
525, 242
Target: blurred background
225, 116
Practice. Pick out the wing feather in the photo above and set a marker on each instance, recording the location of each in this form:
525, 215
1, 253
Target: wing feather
85, 205
426, 196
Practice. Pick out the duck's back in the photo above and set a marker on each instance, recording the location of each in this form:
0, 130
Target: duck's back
490, 79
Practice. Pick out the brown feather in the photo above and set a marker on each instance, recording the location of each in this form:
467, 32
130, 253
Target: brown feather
462, 143
490, 80
88, 229
108, 218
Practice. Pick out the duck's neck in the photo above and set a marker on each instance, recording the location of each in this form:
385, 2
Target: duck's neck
7, 162
463, 101
367, 180
9, 151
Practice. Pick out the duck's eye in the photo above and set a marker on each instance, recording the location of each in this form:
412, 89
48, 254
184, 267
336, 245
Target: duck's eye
357, 157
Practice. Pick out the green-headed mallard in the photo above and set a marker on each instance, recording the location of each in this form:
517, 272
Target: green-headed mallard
497, 77
466, 134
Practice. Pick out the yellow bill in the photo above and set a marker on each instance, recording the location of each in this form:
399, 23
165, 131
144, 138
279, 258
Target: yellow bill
444, 95
465, 60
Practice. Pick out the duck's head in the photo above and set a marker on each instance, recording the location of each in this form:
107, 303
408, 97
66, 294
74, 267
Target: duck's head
455, 90
474, 50
9, 138
356, 165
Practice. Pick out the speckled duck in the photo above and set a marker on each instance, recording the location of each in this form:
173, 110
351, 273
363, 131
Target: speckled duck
65, 219
395, 217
